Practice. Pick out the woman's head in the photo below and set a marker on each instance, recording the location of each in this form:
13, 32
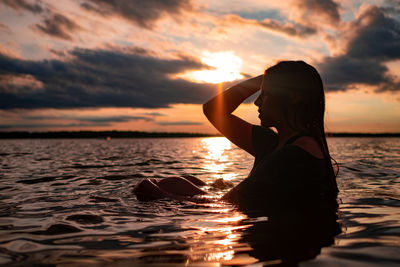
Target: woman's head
295, 96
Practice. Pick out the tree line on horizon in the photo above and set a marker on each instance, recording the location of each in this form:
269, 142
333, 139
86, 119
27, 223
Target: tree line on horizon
140, 134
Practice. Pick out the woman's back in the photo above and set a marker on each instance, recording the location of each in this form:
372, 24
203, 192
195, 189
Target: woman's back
287, 179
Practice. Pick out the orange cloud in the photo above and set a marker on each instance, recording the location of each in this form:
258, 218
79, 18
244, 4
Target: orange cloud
142, 13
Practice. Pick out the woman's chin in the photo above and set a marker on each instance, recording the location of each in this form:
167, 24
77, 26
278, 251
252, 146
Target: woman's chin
266, 124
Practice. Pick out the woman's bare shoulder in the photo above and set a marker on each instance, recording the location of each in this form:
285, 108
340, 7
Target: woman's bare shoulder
310, 145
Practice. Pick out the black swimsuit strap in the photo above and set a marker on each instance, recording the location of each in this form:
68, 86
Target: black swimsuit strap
295, 137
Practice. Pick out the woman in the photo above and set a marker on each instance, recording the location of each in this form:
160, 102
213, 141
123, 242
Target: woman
292, 169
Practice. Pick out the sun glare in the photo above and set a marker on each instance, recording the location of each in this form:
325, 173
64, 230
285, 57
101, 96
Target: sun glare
217, 160
226, 67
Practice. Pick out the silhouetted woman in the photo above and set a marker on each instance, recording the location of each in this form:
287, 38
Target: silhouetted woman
292, 170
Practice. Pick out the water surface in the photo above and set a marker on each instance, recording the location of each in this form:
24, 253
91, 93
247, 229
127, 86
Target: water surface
69, 202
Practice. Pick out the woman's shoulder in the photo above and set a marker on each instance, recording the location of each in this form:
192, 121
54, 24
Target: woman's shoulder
265, 141
310, 145
303, 155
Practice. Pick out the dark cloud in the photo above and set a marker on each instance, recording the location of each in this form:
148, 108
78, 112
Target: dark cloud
99, 119
392, 7
32, 6
373, 39
377, 36
392, 3
143, 13
308, 16
272, 25
176, 123
327, 10
53, 24
52, 125
154, 114
288, 29
115, 119
103, 78
59, 26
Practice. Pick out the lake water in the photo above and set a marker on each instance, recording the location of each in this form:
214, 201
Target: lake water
69, 202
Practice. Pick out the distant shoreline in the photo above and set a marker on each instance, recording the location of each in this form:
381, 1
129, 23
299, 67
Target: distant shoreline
138, 134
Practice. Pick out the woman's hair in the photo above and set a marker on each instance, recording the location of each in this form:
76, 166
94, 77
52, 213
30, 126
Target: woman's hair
299, 88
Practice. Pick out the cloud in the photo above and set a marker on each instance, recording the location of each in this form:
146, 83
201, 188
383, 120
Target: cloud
314, 12
52, 125
272, 25
142, 13
58, 25
54, 24
114, 119
171, 123
15, 84
306, 17
154, 114
393, 5
373, 39
4, 28
98, 119
104, 78
32, 6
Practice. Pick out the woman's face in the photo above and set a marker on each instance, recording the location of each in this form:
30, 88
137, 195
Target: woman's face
269, 108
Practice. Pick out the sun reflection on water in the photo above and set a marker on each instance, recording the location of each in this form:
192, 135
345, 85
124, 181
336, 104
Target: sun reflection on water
217, 158
223, 230
216, 147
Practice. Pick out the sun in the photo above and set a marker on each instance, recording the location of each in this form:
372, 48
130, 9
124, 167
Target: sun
226, 68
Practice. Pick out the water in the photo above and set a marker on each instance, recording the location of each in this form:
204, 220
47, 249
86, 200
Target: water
69, 202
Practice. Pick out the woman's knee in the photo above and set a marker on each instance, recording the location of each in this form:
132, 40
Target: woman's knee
145, 183
147, 190
194, 180
179, 186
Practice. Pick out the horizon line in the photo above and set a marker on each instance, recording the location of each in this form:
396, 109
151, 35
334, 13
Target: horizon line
143, 134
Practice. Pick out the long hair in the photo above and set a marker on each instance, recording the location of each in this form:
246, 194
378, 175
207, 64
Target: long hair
300, 90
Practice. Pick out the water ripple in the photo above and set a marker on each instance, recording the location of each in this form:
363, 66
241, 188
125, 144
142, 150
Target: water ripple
70, 202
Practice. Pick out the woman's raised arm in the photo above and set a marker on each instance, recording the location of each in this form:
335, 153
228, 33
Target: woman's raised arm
218, 111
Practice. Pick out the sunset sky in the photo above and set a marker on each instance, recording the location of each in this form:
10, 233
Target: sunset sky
148, 65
